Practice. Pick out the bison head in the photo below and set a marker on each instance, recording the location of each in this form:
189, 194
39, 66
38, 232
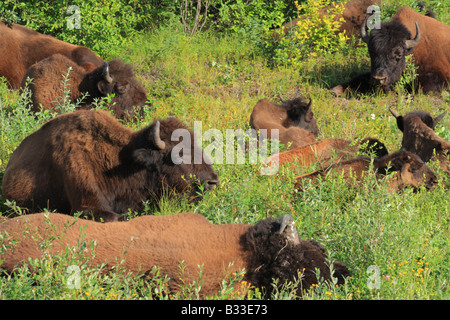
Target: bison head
277, 252
118, 78
180, 166
422, 116
388, 47
411, 170
299, 114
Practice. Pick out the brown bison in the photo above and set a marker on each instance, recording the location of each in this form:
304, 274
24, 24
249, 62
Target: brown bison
408, 170
408, 32
293, 119
88, 161
353, 15
419, 137
269, 250
115, 77
21, 47
325, 152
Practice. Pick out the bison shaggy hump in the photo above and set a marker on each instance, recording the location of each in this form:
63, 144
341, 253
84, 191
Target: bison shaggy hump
88, 161
48, 87
269, 250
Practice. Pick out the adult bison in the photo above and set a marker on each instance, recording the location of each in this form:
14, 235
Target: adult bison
269, 250
87, 161
407, 168
408, 32
326, 152
21, 47
293, 119
420, 138
47, 85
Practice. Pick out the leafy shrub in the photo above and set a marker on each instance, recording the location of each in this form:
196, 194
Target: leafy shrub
99, 25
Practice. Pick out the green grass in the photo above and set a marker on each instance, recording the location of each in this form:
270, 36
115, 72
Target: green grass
217, 79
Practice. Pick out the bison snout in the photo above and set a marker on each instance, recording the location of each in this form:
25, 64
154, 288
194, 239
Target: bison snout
211, 184
381, 78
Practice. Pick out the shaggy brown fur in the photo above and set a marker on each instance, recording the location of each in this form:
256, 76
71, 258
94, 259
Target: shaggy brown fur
47, 86
88, 161
409, 170
21, 47
294, 119
325, 152
269, 250
419, 137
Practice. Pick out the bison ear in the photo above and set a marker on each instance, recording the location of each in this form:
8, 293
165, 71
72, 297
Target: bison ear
104, 88
287, 228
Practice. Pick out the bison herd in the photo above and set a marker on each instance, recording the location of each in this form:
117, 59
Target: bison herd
87, 161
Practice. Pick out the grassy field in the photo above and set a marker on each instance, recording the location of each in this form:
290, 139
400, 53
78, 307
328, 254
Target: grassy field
396, 245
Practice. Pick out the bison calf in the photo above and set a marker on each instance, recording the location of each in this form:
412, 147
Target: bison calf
419, 137
115, 77
293, 119
408, 170
326, 151
269, 250
88, 161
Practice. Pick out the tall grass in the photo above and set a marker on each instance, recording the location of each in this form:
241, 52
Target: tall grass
395, 244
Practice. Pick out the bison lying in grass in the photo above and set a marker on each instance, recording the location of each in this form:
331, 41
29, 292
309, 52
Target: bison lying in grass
408, 170
269, 250
21, 47
325, 152
115, 77
88, 161
293, 119
419, 137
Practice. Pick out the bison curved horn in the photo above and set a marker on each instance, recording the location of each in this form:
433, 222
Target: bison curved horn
414, 42
287, 227
439, 118
157, 138
395, 114
281, 98
363, 31
106, 74
309, 104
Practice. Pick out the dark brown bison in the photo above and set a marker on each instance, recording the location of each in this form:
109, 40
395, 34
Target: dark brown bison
408, 32
269, 250
354, 13
87, 161
407, 168
419, 137
21, 47
293, 119
47, 86
325, 152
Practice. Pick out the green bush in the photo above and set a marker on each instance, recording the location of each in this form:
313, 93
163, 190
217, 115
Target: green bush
99, 25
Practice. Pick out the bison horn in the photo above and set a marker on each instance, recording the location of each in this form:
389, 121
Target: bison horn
309, 104
106, 74
412, 43
287, 227
363, 31
439, 118
395, 114
282, 99
157, 138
